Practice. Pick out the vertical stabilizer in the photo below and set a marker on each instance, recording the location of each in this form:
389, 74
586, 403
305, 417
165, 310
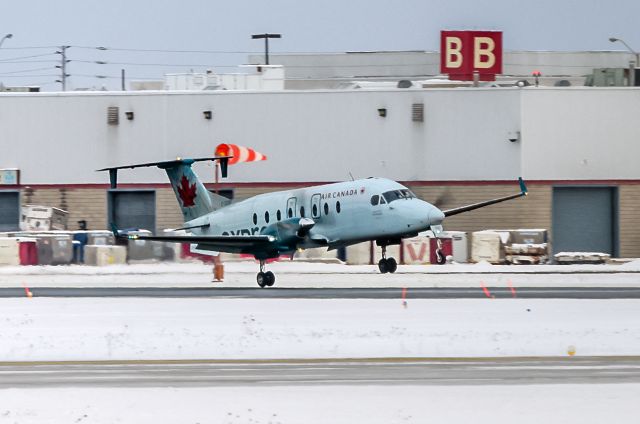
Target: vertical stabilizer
193, 197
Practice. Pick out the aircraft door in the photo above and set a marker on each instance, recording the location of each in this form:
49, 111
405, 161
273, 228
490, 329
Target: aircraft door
315, 206
291, 207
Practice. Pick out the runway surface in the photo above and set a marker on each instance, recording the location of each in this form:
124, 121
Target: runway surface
332, 293
503, 371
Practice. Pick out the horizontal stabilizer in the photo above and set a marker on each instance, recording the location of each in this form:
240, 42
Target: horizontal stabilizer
113, 171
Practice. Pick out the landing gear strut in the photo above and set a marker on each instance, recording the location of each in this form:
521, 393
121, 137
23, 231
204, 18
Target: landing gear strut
265, 279
387, 264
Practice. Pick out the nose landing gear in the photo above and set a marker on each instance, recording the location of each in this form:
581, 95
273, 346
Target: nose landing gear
265, 279
387, 264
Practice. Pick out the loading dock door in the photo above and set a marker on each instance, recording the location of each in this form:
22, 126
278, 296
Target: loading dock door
585, 219
9, 211
133, 209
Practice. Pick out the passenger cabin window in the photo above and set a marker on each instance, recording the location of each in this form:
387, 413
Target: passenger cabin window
255, 219
326, 209
393, 195
315, 210
338, 206
374, 199
302, 211
266, 217
278, 215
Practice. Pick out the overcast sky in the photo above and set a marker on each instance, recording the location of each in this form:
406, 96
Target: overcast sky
320, 26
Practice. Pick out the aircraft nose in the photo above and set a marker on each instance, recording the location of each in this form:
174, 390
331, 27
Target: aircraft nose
435, 216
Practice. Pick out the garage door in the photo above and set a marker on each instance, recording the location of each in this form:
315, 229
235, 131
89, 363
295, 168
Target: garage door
585, 219
9, 210
133, 209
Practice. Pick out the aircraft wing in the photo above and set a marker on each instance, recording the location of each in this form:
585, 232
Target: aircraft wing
219, 241
455, 211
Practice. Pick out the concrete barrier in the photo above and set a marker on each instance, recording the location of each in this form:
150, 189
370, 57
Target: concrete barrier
100, 255
9, 251
359, 254
416, 250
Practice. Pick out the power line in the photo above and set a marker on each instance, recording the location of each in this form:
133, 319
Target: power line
25, 57
26, 70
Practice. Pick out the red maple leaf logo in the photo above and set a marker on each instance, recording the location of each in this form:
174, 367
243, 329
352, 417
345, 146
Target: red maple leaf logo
187, 192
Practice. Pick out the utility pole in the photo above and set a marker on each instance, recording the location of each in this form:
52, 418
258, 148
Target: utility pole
63, 66
266, 43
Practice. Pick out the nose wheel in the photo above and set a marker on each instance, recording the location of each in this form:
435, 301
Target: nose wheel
265, 279
387, 264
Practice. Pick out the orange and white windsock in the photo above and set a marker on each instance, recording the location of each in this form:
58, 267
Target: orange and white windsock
239, 153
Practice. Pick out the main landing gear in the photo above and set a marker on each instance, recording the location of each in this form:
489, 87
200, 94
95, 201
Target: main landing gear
265, 279
387, 264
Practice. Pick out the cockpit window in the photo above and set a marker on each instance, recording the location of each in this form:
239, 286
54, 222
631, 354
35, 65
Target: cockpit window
374, 199
392, 195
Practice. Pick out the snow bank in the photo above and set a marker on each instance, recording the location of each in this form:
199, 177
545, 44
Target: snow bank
298, 274
104, 329
524, 404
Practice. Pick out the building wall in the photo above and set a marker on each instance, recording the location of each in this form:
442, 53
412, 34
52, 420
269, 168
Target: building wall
580, 133
411, 64
307, 136
532, 211
629, 220
459, 154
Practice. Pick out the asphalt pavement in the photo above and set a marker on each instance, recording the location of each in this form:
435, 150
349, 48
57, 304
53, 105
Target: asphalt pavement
332, 293
394, 371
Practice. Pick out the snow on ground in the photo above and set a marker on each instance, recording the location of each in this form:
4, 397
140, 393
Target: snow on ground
522, 404
304, 274
141, 328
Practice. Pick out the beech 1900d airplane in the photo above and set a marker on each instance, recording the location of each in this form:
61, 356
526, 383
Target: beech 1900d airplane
273, 224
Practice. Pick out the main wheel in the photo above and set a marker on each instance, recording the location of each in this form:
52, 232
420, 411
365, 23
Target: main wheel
261, 279
382, 266
269, 278
392, 265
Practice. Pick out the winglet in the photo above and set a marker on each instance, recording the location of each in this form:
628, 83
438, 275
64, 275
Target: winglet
523, 187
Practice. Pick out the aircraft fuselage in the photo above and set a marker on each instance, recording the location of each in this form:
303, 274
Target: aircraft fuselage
337, 214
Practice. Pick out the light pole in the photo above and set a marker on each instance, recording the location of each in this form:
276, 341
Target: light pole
266, 43
614, 39
4, 38
637, 57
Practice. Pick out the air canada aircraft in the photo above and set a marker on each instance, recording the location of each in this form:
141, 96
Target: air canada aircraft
279, 223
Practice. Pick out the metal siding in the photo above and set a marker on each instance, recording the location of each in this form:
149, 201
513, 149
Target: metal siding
133, 209
9, 210
584, 219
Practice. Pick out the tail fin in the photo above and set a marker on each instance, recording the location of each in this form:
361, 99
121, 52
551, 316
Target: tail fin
193, 197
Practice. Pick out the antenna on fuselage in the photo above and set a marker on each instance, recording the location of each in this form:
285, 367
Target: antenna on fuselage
351, 175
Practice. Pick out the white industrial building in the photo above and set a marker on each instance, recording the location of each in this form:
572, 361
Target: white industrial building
576, 146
